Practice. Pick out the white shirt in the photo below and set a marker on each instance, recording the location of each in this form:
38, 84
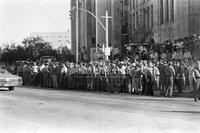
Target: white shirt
155, 56
163, 56
174, 55
42, 67
151, 56
64, 69
179, 55
123, 70
155, 72
141, 48
187, 55
35, 69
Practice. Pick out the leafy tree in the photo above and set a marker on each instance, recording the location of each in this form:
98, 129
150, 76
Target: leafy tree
37, 47
13, 53
33, 48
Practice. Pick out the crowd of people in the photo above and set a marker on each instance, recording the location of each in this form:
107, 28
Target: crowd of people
135, 77
161, 71
180, 49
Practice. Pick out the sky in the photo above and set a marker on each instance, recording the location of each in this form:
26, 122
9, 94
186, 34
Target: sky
18, 18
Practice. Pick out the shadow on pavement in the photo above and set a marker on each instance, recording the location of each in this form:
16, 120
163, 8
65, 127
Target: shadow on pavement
186, 94
189, 112
156, 99
72, 90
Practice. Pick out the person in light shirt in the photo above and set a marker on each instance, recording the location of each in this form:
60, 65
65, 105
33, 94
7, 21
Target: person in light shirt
42, 67
187, 54
156, 76
35, 69
155, 56
115, 52
142, 49
169, 79
196, 81
163, 56
179, 54
123, 69
174, 55
151, 55
64, 69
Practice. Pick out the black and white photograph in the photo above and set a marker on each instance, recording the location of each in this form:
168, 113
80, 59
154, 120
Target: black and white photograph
99, 66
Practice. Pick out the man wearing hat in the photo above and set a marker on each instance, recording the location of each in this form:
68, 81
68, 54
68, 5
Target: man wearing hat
174, 55
63, 76
35, 69
179, 54
169, 74
132, 73
135, 74
110, 72
156, 76
71, 76
163, 55
168, 55
149, 79
180, 77
187, 54
143, 80
161, 68
123, 75
196, 81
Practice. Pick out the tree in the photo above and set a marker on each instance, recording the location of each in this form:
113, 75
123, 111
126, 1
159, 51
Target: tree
13, 53
36, 47
33, 49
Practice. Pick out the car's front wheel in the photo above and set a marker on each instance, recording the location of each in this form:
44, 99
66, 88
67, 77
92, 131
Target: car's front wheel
11, 88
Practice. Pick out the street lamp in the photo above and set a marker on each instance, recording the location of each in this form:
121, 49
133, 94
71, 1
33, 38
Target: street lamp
102, 25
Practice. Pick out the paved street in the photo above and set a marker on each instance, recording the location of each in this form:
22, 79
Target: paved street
31, 110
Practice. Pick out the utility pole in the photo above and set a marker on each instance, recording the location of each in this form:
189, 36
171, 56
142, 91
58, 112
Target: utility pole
104, 27
106, 22
96, 12
106, 32
77, 32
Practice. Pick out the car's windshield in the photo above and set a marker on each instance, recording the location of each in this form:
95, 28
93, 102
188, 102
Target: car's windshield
3, 71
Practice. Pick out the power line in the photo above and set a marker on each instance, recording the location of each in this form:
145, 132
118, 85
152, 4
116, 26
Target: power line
44, 10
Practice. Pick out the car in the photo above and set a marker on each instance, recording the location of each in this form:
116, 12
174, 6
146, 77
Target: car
8, 80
